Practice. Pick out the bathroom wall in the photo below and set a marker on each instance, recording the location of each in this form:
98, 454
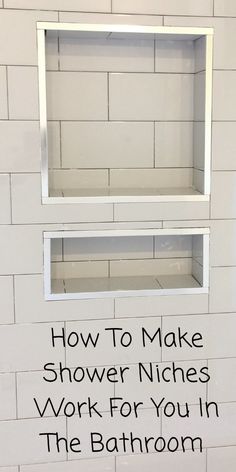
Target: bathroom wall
26, 319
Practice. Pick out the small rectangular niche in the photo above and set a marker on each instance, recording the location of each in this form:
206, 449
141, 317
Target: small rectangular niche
125, 112
125, 263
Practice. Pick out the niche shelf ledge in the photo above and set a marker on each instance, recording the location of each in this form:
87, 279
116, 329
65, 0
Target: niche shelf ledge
105, 263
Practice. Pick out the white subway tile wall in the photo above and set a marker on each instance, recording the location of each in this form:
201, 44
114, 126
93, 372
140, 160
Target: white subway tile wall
133, 122
156, 141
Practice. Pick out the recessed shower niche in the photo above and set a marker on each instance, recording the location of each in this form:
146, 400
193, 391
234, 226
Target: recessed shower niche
116, 263
125, 112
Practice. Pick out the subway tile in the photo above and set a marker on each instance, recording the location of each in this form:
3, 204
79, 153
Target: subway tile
161, 211
110, 19
224, 37
84, 269
223, 251
174, 144
7, 397
198, 180
222, 386
199, 96
222, 203
106, 464
26, 249
77, 96
108, 248
171, 7
198, 145
6, 300
78, 178
52, 50
187, 224
19, 146
24, 185
10, 469
223, 145
200, 54
31, 306
224, 96
3, 93
214, 431
29, 447
147, 97
173, 246
217, 336
174, 56
73, 5
173, 391
23, 93
145, 425
222, 290
224, 40
17, 341
221, 458
18, 34
156, 306
105, 353
165, 462
31, 385
151, 267
107, 145
54, 144
5, 199
153, 178
108, 55
56, 250
225, 8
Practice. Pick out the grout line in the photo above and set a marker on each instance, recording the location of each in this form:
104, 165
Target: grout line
178, 362
60, 141
67, 453
10, 188
161, 422
58, 54
111, 6
7, 87
82, 12
161, 349
213, 7
14, 298
103, 456
138, 72
207, 384
16, 392
154, 145
108, 96
154, 55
